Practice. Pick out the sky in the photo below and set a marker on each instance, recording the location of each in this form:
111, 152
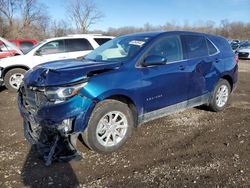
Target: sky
119, 13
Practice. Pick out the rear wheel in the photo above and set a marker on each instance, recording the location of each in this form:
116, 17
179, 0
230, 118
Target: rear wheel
220, 96
109, 127
13, 78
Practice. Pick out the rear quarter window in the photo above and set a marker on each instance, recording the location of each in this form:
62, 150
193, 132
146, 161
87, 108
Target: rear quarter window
222, 44
101, 41
195, 46
211, 48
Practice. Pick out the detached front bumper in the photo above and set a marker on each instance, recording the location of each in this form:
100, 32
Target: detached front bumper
54, 128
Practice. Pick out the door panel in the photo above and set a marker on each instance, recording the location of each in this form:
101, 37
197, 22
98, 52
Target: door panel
199, 64
164, 85
199, 69
51, 51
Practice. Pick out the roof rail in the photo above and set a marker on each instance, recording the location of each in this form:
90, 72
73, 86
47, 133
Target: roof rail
76, 35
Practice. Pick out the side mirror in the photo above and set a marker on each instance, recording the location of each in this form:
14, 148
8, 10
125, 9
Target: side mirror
38, 53
154, 60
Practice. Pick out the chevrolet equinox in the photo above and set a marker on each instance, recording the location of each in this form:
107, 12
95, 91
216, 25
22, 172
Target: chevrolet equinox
125, 82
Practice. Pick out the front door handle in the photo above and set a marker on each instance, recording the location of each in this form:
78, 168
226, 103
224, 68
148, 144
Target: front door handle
181, 67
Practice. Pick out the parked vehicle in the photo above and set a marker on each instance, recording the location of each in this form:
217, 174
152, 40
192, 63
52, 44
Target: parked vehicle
120, 85
7, 49
24, 44
236, 41
12, 69
235, 46
244, 51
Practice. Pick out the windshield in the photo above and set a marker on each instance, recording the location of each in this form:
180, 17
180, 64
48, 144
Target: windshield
33, 47
119, 49
7, 46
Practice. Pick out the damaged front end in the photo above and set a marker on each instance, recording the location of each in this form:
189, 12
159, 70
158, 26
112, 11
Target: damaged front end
53, 119
56, 101
52, 144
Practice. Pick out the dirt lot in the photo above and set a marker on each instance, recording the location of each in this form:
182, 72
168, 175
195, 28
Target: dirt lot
194, 148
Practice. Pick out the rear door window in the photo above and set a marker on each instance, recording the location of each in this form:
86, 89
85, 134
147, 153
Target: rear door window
168, 47
101, 41
195, 46
74, 45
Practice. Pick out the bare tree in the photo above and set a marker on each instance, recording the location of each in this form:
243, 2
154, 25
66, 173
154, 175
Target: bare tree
34, 19
8, 9
2, 27
23, 18
84, 14
60, 28
32, 11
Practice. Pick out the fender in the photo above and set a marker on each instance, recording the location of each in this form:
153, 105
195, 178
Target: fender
112, 93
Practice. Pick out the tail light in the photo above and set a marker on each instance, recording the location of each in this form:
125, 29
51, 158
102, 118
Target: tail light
236, 58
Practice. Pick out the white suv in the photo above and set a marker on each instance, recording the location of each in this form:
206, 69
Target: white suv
12, 69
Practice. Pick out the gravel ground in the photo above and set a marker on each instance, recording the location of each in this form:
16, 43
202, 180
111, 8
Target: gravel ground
194, 148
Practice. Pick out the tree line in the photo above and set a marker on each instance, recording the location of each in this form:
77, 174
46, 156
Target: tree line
30, 19
230, 30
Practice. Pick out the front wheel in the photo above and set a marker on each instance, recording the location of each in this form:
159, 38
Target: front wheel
220, 96
109, 127
13, 78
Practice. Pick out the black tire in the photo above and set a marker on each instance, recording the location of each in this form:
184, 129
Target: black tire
8, 76
213, 105
100, 111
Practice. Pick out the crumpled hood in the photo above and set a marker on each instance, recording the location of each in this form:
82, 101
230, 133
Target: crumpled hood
64, 72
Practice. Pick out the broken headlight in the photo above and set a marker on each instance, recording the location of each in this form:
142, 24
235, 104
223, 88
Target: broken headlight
59, 94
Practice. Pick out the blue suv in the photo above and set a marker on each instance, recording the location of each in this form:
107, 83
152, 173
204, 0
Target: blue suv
125, 82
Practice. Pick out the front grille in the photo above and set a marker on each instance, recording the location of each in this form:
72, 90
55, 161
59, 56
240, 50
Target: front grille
243, 54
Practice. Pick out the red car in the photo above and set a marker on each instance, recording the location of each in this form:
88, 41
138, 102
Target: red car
23, 44
15, 47
8, 49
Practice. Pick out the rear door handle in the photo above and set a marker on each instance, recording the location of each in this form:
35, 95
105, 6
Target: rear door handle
217, 60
